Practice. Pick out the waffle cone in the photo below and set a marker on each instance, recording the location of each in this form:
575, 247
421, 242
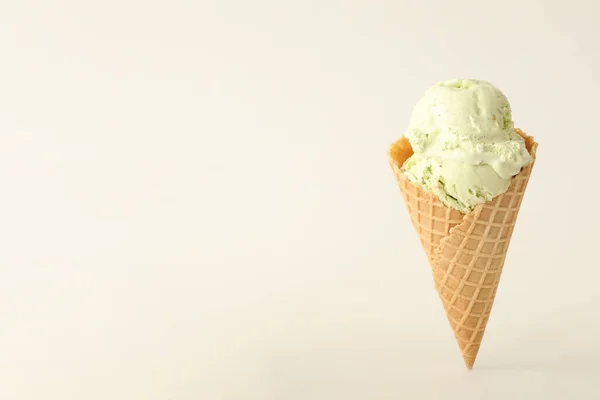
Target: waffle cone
466, 251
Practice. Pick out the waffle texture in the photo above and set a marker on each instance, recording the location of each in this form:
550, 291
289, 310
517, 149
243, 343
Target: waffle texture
466, 252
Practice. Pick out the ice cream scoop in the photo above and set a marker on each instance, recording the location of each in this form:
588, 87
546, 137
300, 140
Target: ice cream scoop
465, 147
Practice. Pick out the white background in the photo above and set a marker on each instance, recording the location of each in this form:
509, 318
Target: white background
196, 202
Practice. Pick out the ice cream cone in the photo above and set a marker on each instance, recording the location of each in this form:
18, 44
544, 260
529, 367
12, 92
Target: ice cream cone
466, 251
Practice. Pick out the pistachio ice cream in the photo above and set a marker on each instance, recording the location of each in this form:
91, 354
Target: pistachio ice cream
465, 147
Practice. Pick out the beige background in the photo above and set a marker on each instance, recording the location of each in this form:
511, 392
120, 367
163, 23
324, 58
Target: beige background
196, 203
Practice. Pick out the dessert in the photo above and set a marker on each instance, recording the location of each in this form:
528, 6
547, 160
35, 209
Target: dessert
463, 169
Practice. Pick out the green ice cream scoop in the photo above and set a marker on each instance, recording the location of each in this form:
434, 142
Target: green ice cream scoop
465, 147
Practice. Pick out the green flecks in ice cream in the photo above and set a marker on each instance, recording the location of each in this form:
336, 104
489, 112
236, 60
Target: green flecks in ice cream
466, 149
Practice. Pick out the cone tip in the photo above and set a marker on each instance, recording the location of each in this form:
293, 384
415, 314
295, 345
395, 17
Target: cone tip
469, 363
